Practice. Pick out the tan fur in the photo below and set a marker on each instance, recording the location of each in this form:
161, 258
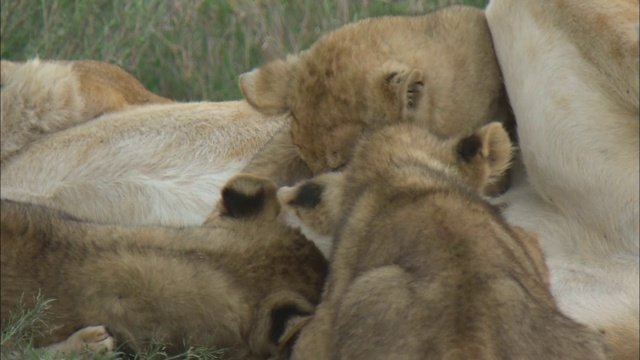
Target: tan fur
438, 69
571, 69
423, 268
106, 87
42, 97
160, 164
233, 284
89, 340
279, 160
317, 222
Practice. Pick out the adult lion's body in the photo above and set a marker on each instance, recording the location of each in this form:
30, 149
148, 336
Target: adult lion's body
42, 97
158, 164
571, 71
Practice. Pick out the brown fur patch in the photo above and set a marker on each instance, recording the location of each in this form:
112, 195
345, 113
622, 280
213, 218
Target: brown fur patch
201, 286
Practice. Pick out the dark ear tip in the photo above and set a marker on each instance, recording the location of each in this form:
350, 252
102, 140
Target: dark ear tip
469, 147
308, 195
279, 318
238, 204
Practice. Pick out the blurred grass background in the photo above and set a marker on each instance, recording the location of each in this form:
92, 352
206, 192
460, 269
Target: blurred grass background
184, 49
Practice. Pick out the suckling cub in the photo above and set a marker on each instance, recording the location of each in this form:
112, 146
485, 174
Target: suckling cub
237, 283
422, 266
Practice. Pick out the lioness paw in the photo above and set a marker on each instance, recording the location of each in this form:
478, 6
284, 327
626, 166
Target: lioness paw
91, 339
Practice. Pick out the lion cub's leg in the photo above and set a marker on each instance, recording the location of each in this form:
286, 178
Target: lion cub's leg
83, 343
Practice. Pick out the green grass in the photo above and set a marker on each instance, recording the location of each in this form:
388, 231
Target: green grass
183, 49
26, 322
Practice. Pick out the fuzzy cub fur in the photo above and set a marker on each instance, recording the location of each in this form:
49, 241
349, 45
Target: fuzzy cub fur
42, 97
437, 69
232, 284
422, 267
571, 69
161, 164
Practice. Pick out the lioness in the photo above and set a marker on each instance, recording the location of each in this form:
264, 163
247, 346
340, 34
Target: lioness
571, 71
42, 97
232, 284
161, 164
437, 69
422, 267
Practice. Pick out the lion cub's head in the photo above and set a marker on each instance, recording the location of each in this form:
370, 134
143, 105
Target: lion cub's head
438, 70
313, 206
402, 155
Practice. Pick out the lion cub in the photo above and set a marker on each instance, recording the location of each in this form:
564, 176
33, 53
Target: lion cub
437, 69
235, 283
422, 267
41, 97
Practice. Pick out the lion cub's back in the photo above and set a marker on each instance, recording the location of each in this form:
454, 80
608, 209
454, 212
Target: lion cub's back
441, 255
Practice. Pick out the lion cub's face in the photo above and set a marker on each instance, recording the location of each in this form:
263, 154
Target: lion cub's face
399, 155
313, 206
438, 70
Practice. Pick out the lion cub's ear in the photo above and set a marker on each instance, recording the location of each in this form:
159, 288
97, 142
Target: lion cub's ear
246, 196
281, 317
485, 155
403, 88
313, 206
267, 88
